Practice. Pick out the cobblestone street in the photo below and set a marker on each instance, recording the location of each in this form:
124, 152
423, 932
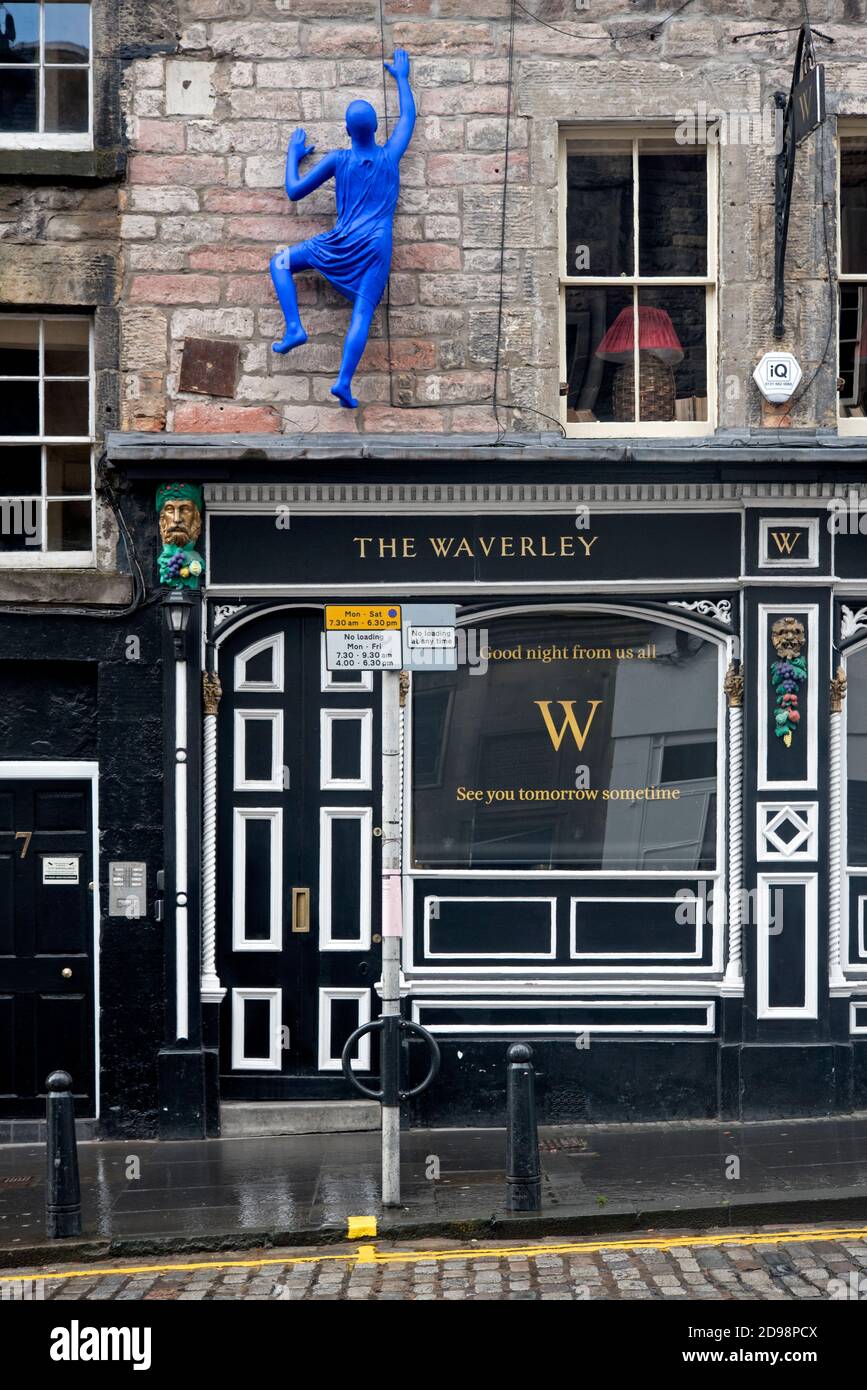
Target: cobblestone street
804, 1263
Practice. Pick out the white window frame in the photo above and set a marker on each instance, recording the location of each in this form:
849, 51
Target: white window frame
50, 140
637, 428
29, 557
846, 424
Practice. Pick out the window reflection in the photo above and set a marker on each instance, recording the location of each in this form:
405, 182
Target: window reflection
589, 743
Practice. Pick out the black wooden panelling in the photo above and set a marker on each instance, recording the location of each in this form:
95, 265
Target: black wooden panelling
257, 878
787, 947
489, 928
639, 927
345, 877
345, 748
433, 1014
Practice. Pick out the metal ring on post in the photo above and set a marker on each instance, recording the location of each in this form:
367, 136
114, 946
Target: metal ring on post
434, 1062
376, 1026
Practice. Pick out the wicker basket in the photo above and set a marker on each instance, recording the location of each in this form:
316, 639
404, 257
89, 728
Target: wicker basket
656, 390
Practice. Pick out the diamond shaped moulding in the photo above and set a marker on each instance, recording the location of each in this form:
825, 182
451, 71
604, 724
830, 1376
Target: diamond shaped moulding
787, 831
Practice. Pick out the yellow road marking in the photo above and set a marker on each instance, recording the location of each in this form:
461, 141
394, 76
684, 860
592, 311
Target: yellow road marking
370, 1255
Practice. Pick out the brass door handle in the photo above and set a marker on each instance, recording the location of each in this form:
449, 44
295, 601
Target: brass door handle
300, 909
66, 973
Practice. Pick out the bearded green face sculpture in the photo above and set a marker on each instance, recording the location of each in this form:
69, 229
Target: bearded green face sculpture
180, 511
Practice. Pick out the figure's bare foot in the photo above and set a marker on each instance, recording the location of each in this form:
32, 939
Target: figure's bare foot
292, 338
344, 395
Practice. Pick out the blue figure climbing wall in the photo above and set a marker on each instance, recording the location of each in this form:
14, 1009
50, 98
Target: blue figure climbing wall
355, 256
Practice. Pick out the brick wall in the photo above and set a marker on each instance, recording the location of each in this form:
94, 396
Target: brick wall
204, 209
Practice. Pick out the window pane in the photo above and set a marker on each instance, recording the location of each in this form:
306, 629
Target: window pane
20, 470
599, 355
853, 204
19, 104
20, 521
66, 407
672, 208
599, 214
69, 526
673, 353
853, 349
67, 347
563, 692
67, 33
19, 348
19, 34
67, 469
66, 101
856, 760
19, 407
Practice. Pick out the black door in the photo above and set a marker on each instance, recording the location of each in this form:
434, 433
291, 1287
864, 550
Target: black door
298, 860
46, 943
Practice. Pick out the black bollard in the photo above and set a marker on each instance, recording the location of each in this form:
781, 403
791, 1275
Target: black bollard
523, 1170
63, 1198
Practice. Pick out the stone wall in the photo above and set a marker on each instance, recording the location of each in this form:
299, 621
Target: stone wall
204, 208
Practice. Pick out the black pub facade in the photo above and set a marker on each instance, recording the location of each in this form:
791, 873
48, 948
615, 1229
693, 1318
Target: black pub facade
631, 821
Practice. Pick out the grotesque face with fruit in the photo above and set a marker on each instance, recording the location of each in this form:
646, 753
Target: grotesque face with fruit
788, 637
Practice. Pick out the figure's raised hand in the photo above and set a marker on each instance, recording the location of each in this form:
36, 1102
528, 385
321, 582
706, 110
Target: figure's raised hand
298, 144
399, 65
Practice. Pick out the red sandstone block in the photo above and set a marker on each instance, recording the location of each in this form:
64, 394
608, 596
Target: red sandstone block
407, 354
427, 255
200, 417
458, 168
244, 200
383, 417
175, 289
166, 137
229, 258
250, 289
183, 170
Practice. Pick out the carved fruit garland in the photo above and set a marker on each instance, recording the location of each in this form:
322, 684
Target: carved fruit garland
788, 672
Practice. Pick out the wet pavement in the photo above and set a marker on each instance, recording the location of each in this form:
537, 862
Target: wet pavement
802, 1264
304, 1187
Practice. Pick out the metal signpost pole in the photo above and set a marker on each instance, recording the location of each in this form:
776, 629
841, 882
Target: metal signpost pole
392, 930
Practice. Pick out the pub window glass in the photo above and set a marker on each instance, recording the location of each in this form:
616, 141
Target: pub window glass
852, 328
636, 283
856, 758
46, 443
45, 72
590, 742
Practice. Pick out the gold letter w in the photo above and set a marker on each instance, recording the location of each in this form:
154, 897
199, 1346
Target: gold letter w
570, 722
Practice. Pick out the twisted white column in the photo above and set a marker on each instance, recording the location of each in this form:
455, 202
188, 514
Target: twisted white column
734, 968
212, 991
835, 831
734, 690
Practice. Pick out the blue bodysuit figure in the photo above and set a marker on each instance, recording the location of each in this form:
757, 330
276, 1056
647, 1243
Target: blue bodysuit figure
356, 254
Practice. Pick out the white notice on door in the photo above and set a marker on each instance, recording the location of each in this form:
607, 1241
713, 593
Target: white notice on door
60, 870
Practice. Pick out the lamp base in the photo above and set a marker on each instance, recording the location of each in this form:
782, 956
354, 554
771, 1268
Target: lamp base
656, 390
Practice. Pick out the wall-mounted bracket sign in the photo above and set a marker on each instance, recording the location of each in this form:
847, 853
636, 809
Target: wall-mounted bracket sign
777, 376
803, 112
363, 637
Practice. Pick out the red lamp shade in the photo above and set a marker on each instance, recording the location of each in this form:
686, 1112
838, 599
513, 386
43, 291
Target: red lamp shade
656, 336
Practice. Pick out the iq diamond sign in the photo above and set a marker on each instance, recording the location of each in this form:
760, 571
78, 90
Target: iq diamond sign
777, 376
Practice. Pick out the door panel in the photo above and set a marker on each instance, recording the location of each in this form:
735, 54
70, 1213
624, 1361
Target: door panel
46, 928
298, 801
